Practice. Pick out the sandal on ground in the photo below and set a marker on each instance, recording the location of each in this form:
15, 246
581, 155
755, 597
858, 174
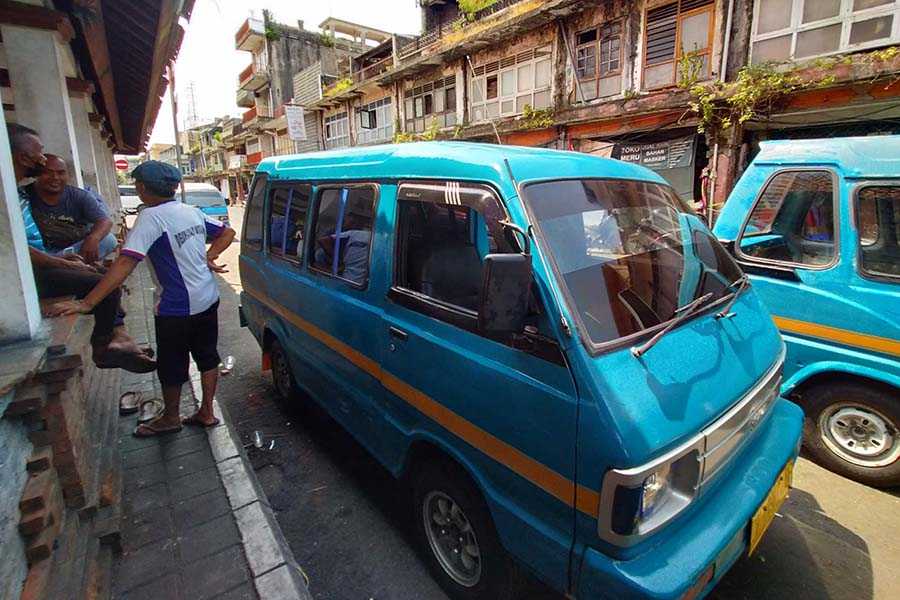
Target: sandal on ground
133, 362
129, 403
196, 421
150, 410
150, 429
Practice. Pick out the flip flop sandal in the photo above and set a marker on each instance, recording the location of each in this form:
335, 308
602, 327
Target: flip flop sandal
129, 403
132, 362
193, 421
148, 430
150, 410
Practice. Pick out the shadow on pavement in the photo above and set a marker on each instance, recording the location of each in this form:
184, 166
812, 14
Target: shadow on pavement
804, 555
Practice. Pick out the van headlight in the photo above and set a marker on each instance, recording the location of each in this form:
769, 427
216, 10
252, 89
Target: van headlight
635, 502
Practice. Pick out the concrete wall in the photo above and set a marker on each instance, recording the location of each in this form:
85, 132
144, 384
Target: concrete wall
14, 451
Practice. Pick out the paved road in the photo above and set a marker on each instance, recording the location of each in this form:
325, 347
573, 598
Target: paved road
348, 523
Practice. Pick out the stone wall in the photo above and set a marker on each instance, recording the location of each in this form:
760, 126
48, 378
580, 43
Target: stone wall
15, 448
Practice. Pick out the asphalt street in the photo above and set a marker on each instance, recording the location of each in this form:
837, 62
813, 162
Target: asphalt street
348, 522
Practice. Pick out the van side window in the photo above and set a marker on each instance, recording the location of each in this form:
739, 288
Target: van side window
878, 223
342, 232
445, 231
793, 220
252, 234
288, 207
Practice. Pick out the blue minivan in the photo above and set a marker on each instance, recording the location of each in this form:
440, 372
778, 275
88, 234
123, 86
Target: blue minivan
816, 224
550, 348
208, 199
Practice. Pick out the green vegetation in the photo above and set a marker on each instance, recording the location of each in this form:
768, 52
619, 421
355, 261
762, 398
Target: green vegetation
536, 118
326, 40
470, 7
341, 86
429, 135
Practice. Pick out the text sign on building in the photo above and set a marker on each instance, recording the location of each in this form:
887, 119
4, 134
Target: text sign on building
235, 161
295, 122
673, 159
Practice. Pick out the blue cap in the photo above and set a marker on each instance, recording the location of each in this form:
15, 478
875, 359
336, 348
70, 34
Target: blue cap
154, 171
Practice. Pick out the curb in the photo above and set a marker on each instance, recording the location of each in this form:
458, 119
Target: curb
276, 574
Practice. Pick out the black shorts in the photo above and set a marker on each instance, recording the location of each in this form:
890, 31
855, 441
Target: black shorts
179, 337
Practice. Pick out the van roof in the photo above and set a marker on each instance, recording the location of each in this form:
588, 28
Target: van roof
452, 160
199, 187
871, 156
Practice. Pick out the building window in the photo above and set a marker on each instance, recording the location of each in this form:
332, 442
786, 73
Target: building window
504, 88
375, 122
793, 221
786, 30
672, 32
430, 102
598, 61
337, 131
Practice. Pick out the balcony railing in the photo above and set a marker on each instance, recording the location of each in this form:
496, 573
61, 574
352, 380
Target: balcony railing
248, 28
256, 157
373, 70
433, 35
245, 75
249, 115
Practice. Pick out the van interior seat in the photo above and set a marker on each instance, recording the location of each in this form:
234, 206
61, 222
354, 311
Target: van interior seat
452, 272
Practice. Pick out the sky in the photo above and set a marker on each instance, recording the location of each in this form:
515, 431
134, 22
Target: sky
209, 60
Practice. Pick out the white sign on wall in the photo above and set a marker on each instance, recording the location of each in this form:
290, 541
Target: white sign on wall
235, 161
295, 122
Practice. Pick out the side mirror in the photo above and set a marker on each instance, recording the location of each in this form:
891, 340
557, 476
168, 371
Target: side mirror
505, 293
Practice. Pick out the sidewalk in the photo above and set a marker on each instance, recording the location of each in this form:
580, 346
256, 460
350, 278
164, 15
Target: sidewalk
194, 523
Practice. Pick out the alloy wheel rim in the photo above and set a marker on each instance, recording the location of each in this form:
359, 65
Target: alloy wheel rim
452, 538
860, 435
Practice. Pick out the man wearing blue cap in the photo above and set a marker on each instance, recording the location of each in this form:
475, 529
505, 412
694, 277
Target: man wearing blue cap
173, 236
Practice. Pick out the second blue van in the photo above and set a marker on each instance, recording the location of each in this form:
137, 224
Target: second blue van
556, 354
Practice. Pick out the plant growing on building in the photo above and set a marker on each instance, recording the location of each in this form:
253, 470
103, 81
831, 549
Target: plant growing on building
326, 40
540, 118
470, 7
429, 135
272, 32
630, 94
339, 86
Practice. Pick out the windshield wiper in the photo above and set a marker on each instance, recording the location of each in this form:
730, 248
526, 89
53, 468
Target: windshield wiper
738, 285
682, 312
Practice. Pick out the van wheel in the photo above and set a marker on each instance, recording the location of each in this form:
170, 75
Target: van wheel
854, 430
282, 377
458, 536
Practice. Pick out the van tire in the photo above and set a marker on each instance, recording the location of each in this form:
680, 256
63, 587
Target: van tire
282, 377
833, 409
499, 577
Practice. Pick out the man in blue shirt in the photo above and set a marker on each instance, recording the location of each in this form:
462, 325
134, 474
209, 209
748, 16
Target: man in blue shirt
71, 219
56, 276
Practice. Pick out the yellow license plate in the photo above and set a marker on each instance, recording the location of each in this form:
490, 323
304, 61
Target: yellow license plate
766, 512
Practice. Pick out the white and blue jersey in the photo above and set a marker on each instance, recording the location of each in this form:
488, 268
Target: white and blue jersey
174, 236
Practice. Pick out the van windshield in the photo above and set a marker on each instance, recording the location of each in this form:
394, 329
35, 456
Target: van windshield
629, 253
204, 199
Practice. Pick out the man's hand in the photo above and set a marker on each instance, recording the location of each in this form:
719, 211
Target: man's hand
68, 307
90, 250
211, 263
77, 264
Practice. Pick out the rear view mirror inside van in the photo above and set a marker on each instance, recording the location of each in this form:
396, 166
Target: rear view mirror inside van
505, 293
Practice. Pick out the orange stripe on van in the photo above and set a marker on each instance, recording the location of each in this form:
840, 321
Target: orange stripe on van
841, 336
558, 486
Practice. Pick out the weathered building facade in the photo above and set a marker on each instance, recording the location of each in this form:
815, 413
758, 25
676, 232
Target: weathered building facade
619, 77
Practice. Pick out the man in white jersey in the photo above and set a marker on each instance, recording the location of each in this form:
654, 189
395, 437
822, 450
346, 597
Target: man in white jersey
173, 236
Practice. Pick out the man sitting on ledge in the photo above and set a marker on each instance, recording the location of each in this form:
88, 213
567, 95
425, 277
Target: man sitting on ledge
71, 220
56, 276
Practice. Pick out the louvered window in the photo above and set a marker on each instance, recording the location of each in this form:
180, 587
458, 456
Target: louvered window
504, 88
673, 31
598, 61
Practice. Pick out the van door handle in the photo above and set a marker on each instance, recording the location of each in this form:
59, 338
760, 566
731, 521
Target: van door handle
398, 334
